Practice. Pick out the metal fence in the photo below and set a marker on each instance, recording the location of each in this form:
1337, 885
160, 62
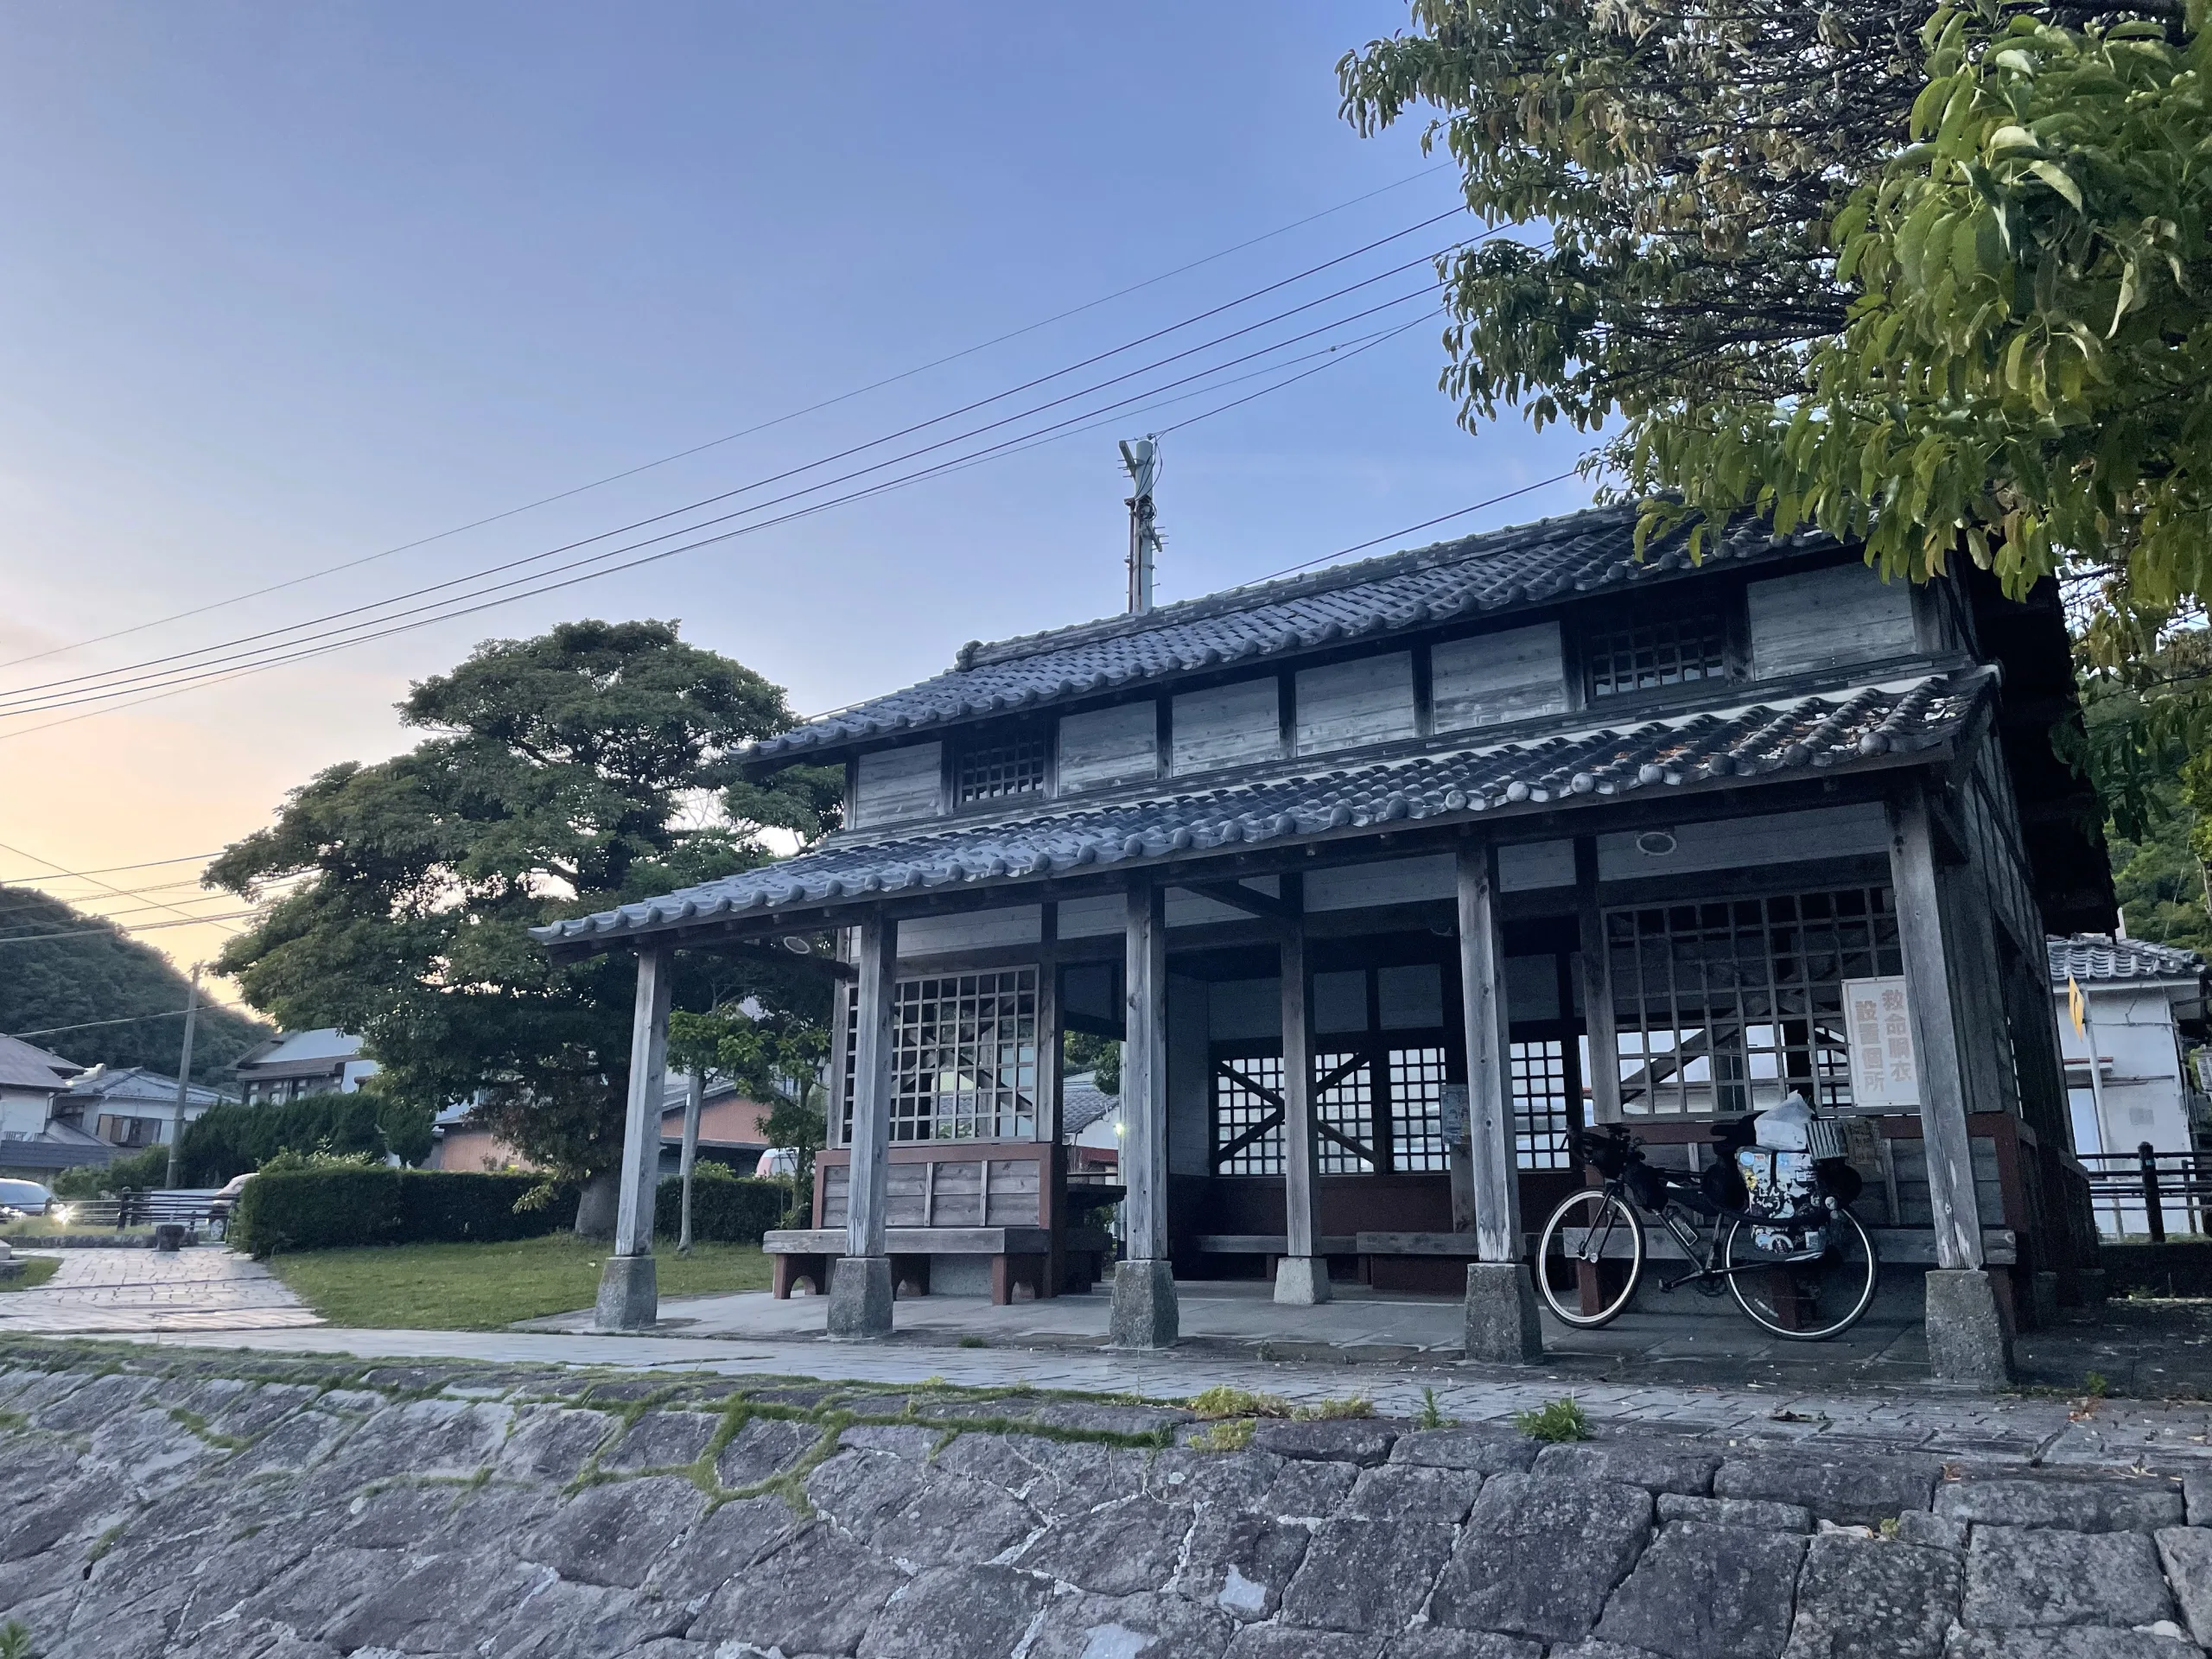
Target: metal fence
2148, 1193
128, 1210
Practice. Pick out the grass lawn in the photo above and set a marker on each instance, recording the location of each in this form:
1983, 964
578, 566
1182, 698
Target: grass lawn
36, 1270
484, 1286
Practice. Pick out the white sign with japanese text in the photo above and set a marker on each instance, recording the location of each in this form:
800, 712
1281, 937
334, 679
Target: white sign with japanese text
1884, 1070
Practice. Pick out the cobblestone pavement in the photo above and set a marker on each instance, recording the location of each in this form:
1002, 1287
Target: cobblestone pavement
132, 1290
203, 1506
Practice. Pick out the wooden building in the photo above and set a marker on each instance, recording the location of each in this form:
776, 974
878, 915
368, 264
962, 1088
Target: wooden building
1463, 815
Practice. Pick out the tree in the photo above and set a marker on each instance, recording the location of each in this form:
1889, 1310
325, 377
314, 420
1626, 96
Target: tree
589, 766
775, 1058
1942, 290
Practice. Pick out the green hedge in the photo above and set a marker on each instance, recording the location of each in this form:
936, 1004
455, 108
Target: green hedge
725, 1209
327, 1209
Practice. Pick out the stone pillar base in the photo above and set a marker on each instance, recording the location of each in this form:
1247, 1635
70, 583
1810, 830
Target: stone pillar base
1145, 1314
2092, 1284
1502, 1323
1302, 1281
1968, 1342
629, 1294
860, 1298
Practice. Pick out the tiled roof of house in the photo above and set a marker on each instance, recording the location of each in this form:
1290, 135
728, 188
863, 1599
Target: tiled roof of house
2087, 956
135, 1084
25, 1066
1082, 1104
1497, 570
1801, 736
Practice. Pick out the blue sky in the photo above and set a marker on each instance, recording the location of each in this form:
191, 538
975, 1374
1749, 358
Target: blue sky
284, 286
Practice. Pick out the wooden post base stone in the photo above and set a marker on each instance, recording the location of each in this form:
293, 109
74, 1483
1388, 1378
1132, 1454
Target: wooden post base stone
860, 1298
1966, 1339
629, 1294
1302, 1281
1502, 1323
1145, 1314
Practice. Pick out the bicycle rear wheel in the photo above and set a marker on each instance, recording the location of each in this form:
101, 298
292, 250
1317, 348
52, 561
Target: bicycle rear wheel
1589, 1258
1803, 1301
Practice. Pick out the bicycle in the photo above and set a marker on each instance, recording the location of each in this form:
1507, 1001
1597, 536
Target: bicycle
1805, 1276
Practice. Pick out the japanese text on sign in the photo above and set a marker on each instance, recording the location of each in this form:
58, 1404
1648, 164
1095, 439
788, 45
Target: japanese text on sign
1884, 1071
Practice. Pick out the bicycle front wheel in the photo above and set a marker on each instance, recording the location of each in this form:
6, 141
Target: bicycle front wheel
1589, 1258
1806, 1301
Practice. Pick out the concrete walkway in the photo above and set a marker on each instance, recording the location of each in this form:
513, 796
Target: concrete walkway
132, 1290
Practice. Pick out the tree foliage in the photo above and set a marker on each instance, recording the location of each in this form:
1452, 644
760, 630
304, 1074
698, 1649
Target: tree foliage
564, 774
92, 976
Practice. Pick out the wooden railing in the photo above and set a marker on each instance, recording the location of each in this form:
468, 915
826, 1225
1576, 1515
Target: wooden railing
128, 1210
2173, 1191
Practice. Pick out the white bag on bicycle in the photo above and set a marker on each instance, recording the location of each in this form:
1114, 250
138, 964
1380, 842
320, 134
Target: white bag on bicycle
1786, 1127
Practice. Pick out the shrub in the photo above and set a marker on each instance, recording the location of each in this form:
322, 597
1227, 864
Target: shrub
229, 1139
330, 1204
1555, 1420
725, 1209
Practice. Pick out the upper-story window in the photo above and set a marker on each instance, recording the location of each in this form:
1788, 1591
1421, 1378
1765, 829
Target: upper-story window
1648, 656
989, 771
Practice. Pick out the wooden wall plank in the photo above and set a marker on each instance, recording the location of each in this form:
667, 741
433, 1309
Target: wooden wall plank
1228, 726
1367, 699
1108, 746
893, 785
1820, 618
1494, 677
974, 930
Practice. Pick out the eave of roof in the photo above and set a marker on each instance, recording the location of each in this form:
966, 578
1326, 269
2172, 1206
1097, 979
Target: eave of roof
1476, 576
1810, 734
2092, 959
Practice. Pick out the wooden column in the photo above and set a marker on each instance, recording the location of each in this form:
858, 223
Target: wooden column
1490, 1085
629, 1296
1302, 1276
1604, 1071
872, 1058
1935, 1034
633, 1221
1145, 1313
1144, 1072
860, 1279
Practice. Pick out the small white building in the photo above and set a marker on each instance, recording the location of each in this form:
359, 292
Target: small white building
2143, 1011
38, 1136
130, 1107
323, 1061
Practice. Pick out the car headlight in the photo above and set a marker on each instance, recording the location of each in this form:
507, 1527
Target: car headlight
62, 1214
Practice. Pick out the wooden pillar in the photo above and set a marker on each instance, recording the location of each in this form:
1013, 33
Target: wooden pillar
1501, 1306
1597, 1016
1145, 1315
1967, 1340
1051, 1170
629, 1298
860, 1282
1302, 1276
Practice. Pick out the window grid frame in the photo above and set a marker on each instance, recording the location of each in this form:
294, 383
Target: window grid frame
1234, 1108
994, 1048
1016, 763
1544, 1113
1630, 659
1418, 1074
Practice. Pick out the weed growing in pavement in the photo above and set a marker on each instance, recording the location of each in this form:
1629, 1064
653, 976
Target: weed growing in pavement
1232, 1435
2096, 1385
1555, 1420
1327, 1410
1223, 1401
1429, 1416
971, 1342
15, 1641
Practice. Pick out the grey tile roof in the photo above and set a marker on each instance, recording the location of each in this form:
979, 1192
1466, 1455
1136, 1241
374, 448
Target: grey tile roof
24, 1065
1796, 735
1498, 569
2087, 956
1082, 1104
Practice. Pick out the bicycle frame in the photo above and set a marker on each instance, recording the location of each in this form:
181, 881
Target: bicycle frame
1697, 1244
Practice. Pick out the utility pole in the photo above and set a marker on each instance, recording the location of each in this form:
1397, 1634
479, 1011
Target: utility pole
1141, 460
695, 1097
184, 1073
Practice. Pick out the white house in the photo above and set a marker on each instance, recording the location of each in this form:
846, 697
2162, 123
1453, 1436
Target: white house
2143, 1010
130, 1107
35, 1139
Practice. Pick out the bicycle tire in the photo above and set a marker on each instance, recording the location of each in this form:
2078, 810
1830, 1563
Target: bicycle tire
1559, 1275
1853, 1288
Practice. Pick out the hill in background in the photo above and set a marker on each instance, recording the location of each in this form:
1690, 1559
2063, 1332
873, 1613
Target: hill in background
104, 975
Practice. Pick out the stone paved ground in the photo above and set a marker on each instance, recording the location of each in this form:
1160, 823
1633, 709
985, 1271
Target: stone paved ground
133, 1290
197, 1505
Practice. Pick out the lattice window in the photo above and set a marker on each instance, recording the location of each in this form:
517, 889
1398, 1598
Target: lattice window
1541, 1121
1726, 1008
1648, 656
963, 1057
1248, 1116
990, 771
1417, 1110
1344, 1114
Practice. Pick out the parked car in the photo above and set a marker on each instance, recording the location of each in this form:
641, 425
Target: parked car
777, 1160
26, 1198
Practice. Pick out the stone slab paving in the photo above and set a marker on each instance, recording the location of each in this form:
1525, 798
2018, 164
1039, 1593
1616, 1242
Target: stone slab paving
140, 1290
197, 1504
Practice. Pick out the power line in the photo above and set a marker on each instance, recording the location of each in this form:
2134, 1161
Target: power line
89, 1025
1426, 524
111, 869
110, 930
731, 437
111, 886
27, 699
74, 690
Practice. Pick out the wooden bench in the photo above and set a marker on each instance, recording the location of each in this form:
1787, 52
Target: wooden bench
1019, 1256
